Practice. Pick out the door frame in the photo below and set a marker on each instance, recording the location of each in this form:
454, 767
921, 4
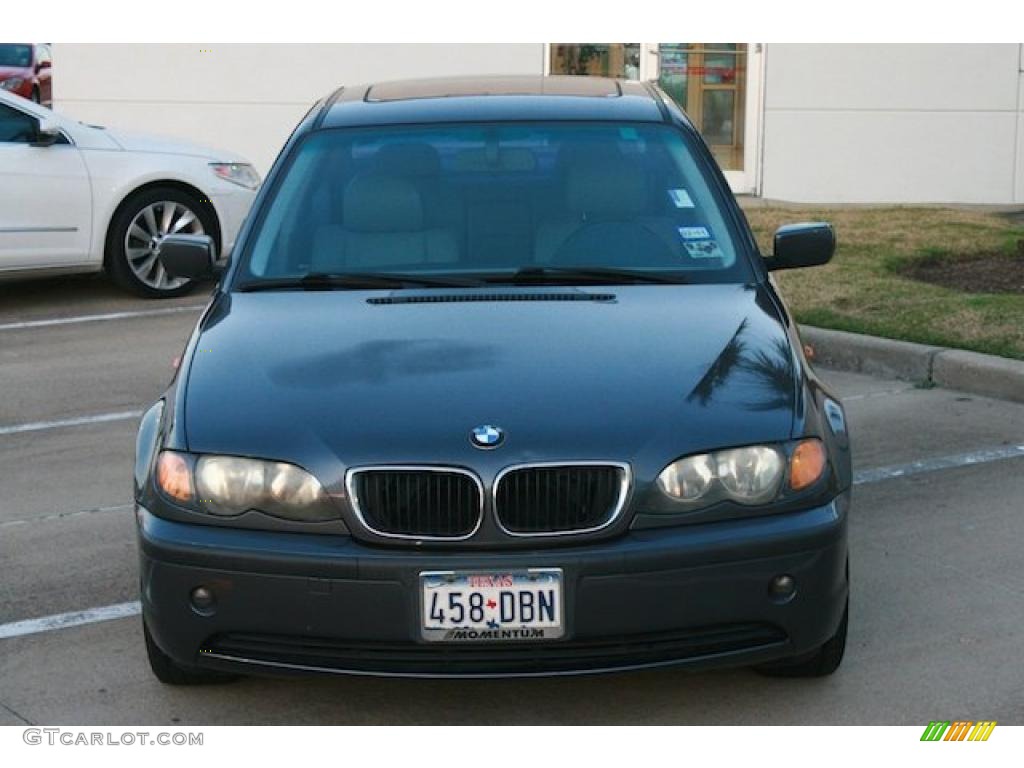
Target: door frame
748, 180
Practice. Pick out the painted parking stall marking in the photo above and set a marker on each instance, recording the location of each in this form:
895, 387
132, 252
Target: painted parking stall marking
922, 466
75, 319
70, 619
76, 421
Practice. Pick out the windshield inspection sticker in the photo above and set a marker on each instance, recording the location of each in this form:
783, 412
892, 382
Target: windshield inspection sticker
694, 233
703, 249
680, 198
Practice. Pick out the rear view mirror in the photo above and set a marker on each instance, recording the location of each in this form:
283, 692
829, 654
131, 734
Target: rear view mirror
188, 256
47, 133
802, 245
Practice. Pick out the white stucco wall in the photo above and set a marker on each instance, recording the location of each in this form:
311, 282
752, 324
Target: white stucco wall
841, 123
894, 123
248, 98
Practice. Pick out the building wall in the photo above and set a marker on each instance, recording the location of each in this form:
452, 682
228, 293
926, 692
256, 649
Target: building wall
894, 123
841, 123
247, 98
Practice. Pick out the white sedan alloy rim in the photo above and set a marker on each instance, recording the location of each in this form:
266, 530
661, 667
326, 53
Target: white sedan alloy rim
144, 234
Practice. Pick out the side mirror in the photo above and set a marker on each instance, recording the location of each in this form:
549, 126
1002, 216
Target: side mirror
802, 245
47, 133
189, 256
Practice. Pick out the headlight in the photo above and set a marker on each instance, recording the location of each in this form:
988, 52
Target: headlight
689, 479
242, 174
11, 83
750, 476
228, 485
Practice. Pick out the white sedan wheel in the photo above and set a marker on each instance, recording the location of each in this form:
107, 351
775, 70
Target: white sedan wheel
147, 229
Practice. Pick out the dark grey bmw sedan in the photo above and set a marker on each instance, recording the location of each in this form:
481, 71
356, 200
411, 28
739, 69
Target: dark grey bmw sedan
496, 383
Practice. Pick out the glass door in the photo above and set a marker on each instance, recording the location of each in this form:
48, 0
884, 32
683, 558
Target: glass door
716, 84
709, 81
603, 59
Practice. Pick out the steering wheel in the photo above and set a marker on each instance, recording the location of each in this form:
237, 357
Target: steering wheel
625, 244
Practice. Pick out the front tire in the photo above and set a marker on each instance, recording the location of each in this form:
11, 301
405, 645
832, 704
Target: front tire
168, 672
135, 231
819, 663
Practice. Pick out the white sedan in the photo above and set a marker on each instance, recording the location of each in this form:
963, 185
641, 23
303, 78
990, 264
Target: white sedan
80, 198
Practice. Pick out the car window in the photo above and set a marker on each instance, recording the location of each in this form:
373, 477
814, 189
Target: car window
494, 198
15, 55
16, 126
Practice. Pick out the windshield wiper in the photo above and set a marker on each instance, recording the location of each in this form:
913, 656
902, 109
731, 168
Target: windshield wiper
607, 275
327, 281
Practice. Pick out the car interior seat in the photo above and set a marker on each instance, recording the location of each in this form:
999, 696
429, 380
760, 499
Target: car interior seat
382, 225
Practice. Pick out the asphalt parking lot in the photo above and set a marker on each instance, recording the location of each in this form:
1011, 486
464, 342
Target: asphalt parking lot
937, 605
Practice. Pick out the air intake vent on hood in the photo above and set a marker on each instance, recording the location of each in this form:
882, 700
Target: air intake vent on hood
447, 298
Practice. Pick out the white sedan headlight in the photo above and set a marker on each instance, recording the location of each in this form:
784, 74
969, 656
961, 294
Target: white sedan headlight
750, 476
229, 485
242, 174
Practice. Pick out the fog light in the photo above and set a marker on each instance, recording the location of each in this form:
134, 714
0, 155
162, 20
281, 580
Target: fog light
782, 587
203, 600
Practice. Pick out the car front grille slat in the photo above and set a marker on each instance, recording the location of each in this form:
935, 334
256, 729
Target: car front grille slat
418, 502
538, 500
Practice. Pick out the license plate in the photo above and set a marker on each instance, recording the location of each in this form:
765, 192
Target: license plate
507, 605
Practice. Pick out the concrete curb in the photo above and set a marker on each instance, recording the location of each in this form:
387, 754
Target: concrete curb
986, 375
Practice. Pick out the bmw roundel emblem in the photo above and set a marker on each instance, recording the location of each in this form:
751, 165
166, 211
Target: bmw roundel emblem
487, 436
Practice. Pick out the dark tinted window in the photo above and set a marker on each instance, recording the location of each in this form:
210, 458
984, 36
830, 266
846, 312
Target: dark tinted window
16, 126
15, 55
461, 199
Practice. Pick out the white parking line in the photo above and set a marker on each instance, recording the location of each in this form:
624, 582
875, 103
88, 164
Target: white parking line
879, 393
72, 619
77, 421
864, 477
66, 515
937, 464
98, 318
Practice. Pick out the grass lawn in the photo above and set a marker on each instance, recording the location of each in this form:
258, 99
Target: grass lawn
862, 290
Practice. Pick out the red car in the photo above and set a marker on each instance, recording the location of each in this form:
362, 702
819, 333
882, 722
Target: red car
25, 70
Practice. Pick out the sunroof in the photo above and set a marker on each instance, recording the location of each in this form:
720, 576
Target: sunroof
496, 86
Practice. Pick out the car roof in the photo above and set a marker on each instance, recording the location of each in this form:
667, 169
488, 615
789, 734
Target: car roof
523, 97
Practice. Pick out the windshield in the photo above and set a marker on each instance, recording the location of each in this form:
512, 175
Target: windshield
12, 55
557, 201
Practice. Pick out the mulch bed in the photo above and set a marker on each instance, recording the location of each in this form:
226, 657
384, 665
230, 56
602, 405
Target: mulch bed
985, 272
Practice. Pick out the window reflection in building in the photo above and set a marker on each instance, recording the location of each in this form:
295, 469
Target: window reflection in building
602, 59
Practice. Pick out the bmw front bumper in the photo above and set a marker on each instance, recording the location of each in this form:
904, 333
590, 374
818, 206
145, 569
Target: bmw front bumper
695, 595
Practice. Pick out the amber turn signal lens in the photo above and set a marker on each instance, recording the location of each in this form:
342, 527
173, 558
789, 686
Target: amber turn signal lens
173, 476
807, 464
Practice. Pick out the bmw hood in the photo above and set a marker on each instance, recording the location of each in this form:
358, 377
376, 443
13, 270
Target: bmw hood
330, 379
